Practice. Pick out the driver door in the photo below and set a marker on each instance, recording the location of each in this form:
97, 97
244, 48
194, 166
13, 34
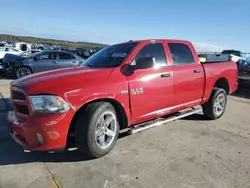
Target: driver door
45, 61
151, 90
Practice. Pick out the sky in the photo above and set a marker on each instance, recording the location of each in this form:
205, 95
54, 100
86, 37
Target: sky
212, 25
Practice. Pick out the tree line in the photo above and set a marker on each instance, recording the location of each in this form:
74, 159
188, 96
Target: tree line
62, 43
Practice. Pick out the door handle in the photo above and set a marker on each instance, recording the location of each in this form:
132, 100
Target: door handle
54, 62
197, 71
166, 75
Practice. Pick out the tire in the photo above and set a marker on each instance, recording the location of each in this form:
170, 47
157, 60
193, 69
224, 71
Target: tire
87, 131
210, 110
22, 71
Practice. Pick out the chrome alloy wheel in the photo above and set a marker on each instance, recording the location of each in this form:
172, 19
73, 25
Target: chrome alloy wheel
105, 129
22, 71
219, 104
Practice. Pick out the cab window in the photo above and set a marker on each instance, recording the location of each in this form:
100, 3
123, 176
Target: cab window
181, 54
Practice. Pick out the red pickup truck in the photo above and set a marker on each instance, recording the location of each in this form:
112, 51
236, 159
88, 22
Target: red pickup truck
133, 85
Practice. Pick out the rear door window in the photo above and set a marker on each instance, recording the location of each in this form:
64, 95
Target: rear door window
65, 56
181, 54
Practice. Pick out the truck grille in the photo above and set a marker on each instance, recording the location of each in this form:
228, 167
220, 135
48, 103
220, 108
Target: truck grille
23, 109
19, 102
17, 95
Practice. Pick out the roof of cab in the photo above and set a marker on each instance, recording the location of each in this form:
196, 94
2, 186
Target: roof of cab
152, 40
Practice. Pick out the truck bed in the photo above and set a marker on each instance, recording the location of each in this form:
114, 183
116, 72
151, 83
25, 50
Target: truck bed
220, 57
220, 69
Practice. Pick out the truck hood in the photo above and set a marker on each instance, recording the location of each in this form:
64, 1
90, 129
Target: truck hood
61, 80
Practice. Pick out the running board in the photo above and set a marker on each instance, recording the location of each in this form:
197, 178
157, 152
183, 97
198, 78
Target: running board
158, 122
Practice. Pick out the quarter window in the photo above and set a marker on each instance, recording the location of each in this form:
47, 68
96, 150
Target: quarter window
181, 54
154, 50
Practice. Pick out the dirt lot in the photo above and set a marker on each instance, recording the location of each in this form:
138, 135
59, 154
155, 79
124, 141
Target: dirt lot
191, 152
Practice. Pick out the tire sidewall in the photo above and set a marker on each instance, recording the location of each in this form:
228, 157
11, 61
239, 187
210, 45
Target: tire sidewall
93, 147
217, 92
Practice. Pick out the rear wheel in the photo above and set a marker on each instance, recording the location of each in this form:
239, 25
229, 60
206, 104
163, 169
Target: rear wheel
22, 71
97, 129
215, 107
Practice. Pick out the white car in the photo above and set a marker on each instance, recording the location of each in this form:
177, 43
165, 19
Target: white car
9, 50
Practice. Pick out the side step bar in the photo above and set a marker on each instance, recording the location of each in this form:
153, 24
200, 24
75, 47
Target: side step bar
158, 122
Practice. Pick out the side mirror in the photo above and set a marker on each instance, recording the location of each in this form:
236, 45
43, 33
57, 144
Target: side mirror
144, 63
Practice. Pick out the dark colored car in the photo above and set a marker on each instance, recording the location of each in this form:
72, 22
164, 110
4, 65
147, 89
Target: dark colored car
19, 66
1, 67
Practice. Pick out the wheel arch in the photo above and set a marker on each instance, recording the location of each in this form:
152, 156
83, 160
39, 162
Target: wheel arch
119, 109
222, 83
17, 67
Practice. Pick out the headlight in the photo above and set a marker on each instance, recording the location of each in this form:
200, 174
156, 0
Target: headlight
48, 104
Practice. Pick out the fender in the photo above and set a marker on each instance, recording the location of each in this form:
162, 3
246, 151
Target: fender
73, 99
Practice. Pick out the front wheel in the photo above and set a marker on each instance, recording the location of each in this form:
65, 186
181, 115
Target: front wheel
22, 71
97, 129
215, 107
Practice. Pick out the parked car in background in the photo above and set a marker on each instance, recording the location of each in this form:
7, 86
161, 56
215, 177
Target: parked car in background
19, 66
131, 85
244, 66
3, 52
8, 50
237, 56
225, 55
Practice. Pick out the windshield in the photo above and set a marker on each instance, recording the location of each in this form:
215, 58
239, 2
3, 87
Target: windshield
111, 56
237, 53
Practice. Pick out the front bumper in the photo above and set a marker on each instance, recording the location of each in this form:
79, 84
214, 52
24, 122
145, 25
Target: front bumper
40, 133
7, 70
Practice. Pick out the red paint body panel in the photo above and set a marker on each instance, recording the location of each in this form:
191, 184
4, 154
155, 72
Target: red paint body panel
188, 86
215, 71
78, 86
54, 136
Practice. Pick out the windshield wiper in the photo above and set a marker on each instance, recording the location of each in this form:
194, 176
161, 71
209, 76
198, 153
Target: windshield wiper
89, 65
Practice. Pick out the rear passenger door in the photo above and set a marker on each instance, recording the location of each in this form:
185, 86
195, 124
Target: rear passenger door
66, 60
188, 75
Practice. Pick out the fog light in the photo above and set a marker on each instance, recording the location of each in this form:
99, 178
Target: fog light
39, 138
